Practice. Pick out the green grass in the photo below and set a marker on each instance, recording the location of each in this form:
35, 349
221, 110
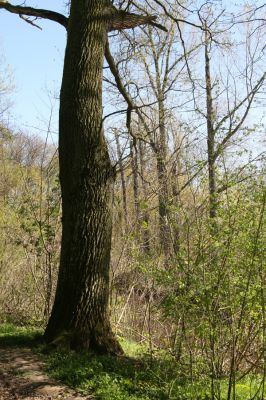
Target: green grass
139, 377
14, 336
135, 377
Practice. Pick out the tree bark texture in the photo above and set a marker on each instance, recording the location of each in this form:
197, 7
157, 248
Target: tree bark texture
80, 310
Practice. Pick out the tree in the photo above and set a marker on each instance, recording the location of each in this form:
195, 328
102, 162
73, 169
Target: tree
222, 126
80, 312
150, 95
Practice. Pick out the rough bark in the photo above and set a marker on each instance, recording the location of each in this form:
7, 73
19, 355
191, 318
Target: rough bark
80, 311
80, 314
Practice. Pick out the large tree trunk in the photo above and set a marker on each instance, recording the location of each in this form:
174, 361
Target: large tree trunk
80, 311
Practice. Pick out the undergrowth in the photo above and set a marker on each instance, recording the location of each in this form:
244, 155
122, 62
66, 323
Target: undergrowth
137, 376
109, 378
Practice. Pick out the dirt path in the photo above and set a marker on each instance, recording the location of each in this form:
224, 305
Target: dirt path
22, 377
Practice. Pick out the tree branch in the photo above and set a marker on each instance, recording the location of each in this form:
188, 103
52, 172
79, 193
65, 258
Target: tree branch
121, 19
176, 20
128, 99
250, 97
35, 12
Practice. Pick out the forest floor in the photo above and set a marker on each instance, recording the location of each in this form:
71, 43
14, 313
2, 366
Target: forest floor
31, 371
22, 377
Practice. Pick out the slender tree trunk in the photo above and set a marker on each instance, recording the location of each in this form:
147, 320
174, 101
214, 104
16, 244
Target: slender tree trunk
48, 284
80, 311
135, 172
163, 198
146, 237
174, 215
211, 136
123, 181
163, 192
160, 80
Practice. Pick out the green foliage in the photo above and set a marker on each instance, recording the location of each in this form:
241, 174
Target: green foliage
208, 307
142, 378
14, 336
30, 228
139, 376
105, 376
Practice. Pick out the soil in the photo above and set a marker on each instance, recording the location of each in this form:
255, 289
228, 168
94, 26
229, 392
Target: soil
22, 377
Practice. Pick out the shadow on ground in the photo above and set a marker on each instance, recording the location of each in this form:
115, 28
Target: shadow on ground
23, 337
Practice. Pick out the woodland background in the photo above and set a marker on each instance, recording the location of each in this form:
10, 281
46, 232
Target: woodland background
188, 143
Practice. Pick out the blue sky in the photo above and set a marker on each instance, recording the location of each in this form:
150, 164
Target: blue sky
36, 59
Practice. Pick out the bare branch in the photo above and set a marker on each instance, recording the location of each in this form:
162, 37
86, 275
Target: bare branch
35, 12
176, 20
250, 97
29, 21
128, 99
